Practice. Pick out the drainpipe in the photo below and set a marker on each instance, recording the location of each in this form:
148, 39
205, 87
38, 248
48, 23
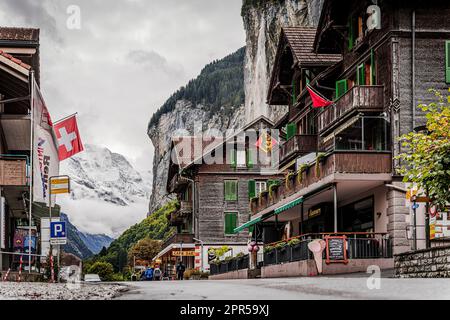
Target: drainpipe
413, 67
335, 200
193, 201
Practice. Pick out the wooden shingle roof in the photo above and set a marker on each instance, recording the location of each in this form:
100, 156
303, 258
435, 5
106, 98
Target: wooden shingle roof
301, 42
19, 34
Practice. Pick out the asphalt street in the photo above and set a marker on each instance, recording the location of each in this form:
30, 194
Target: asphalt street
358, 286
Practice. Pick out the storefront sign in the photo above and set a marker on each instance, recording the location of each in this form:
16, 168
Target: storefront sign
314, 213
183, 253
336, 250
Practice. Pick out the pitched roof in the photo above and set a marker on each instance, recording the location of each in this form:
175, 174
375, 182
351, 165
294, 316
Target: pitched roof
19, 34
301, 41
15, 60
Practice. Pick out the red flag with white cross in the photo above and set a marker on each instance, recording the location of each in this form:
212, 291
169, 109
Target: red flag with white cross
68, 137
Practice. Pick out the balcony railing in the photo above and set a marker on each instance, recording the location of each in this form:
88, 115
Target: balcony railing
178, 238
14, 170
337, 162
299, 144
360, 245
358, 98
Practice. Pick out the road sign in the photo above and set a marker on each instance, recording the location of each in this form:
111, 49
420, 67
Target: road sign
58, 233
60, 185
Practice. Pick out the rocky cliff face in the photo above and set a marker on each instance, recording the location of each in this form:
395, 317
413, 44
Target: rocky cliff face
263, 20
183, 117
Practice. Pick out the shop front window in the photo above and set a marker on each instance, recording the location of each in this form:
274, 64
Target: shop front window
363, 134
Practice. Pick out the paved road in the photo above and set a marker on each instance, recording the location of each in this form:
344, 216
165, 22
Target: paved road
352, 287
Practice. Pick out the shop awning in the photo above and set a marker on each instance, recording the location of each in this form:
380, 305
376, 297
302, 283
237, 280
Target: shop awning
247, 224
289, 205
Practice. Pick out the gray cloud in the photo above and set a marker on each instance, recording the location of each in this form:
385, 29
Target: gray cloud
35, 14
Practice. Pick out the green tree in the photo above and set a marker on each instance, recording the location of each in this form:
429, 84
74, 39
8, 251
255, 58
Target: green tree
104, 270
145, 250
427, 159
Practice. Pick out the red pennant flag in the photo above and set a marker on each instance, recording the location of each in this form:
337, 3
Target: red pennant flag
317, 99
68, 136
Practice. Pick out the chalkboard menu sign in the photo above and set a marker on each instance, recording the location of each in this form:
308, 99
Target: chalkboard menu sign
336, 249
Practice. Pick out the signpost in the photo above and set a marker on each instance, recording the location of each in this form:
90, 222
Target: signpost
58, 237
336, 250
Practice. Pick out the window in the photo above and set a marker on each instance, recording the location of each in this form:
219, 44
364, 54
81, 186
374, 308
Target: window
249, 159
230, 222
291, 129
360, 75
231, 187
341, 88
447, 62
351, 33
260, 187
364, 133
358, 216
241, 159
233, 156
294, 92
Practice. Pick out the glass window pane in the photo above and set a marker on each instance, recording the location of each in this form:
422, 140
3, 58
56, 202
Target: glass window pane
375, 134
350, 138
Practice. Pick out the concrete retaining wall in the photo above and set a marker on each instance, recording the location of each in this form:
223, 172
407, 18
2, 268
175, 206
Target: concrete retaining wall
426, 263
239, 274
308, 268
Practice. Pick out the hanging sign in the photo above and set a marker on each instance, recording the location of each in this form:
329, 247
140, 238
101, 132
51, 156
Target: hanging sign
60, 185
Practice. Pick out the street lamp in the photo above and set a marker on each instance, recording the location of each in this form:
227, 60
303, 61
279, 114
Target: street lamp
201, 256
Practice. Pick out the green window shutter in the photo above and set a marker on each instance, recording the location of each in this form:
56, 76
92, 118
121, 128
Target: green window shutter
341, 88
251, 229
351, 34
307, 76
291, 129
373, 79
251, 189
447, 62
249, 159
233, 158
230, 222
360, 75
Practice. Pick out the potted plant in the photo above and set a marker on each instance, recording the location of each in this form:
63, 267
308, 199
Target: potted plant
297, 249
282, 252
303, 168
320, 159
269, 255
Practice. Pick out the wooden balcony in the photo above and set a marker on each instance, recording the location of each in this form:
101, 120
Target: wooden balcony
297, 145
176, 183
357, 99
183, 214
343, 162
13, 172
178, 238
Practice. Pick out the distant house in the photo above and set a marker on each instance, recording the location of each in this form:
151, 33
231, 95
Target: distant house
214, 196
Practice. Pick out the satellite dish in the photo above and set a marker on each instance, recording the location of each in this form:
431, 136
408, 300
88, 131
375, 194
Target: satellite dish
374, 20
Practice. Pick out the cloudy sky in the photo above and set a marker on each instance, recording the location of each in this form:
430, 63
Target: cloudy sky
125, 60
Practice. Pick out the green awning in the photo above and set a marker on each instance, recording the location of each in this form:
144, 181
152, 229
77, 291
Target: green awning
247, 225
289, 205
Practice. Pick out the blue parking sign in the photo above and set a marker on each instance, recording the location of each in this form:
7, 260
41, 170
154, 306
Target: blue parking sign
58, 230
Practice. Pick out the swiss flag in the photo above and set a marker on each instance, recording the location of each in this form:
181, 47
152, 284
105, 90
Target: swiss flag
68, 136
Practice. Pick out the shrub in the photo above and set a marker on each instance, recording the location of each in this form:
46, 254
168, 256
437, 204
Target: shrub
293, 242
281, 245
268, 249
104, 270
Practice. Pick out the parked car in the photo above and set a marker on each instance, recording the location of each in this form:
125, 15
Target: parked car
92, 278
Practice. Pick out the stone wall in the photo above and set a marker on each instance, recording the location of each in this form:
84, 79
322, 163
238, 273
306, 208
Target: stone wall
427, 263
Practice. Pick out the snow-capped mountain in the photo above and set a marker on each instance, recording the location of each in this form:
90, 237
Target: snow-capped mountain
99, 174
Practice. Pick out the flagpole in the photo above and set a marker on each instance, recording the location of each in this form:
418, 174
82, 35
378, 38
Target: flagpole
74, 114
31, 169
